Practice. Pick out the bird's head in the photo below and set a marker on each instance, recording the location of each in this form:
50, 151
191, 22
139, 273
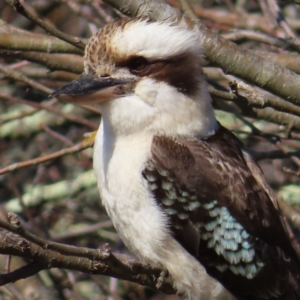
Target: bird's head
144, 75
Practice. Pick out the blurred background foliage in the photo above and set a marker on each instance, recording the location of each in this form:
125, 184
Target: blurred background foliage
58, 199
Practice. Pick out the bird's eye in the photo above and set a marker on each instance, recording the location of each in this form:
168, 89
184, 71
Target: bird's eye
138, 64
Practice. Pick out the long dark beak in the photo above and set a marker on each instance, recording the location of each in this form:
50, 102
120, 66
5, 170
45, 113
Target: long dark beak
90, 89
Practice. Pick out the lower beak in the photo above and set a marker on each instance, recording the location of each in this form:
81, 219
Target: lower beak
90, 89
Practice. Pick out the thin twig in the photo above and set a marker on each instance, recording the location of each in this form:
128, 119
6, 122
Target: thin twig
51, 109
80, 232
188, 9
260, 37
42, 159
16, 75
57, 135
23, 10
64, 62
14, 291
275, 10
6, 119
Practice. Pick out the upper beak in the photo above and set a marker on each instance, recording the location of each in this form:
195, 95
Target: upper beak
90, 89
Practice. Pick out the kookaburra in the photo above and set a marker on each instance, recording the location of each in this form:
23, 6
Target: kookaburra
181, 190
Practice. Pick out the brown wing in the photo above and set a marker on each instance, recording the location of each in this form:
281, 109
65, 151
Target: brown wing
223, 213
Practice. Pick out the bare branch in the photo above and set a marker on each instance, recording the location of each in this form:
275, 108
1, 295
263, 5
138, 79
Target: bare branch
42, 159
35, 42
21, 8
51, 109
16, 75
47, 254
66, 62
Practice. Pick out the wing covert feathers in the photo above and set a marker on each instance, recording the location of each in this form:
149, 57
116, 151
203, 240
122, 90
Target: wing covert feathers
222, 211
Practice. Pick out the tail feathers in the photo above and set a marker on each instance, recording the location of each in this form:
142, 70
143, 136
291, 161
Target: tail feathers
278, 280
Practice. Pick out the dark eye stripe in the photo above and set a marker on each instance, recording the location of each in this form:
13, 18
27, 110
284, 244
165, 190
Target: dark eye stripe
138, 64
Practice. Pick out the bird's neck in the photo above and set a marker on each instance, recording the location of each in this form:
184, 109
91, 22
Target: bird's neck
171, 113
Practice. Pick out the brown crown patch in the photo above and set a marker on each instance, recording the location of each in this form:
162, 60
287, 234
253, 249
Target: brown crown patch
99, 50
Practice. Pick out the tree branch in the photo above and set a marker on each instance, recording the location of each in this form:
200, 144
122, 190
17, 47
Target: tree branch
21, 8
47, 254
